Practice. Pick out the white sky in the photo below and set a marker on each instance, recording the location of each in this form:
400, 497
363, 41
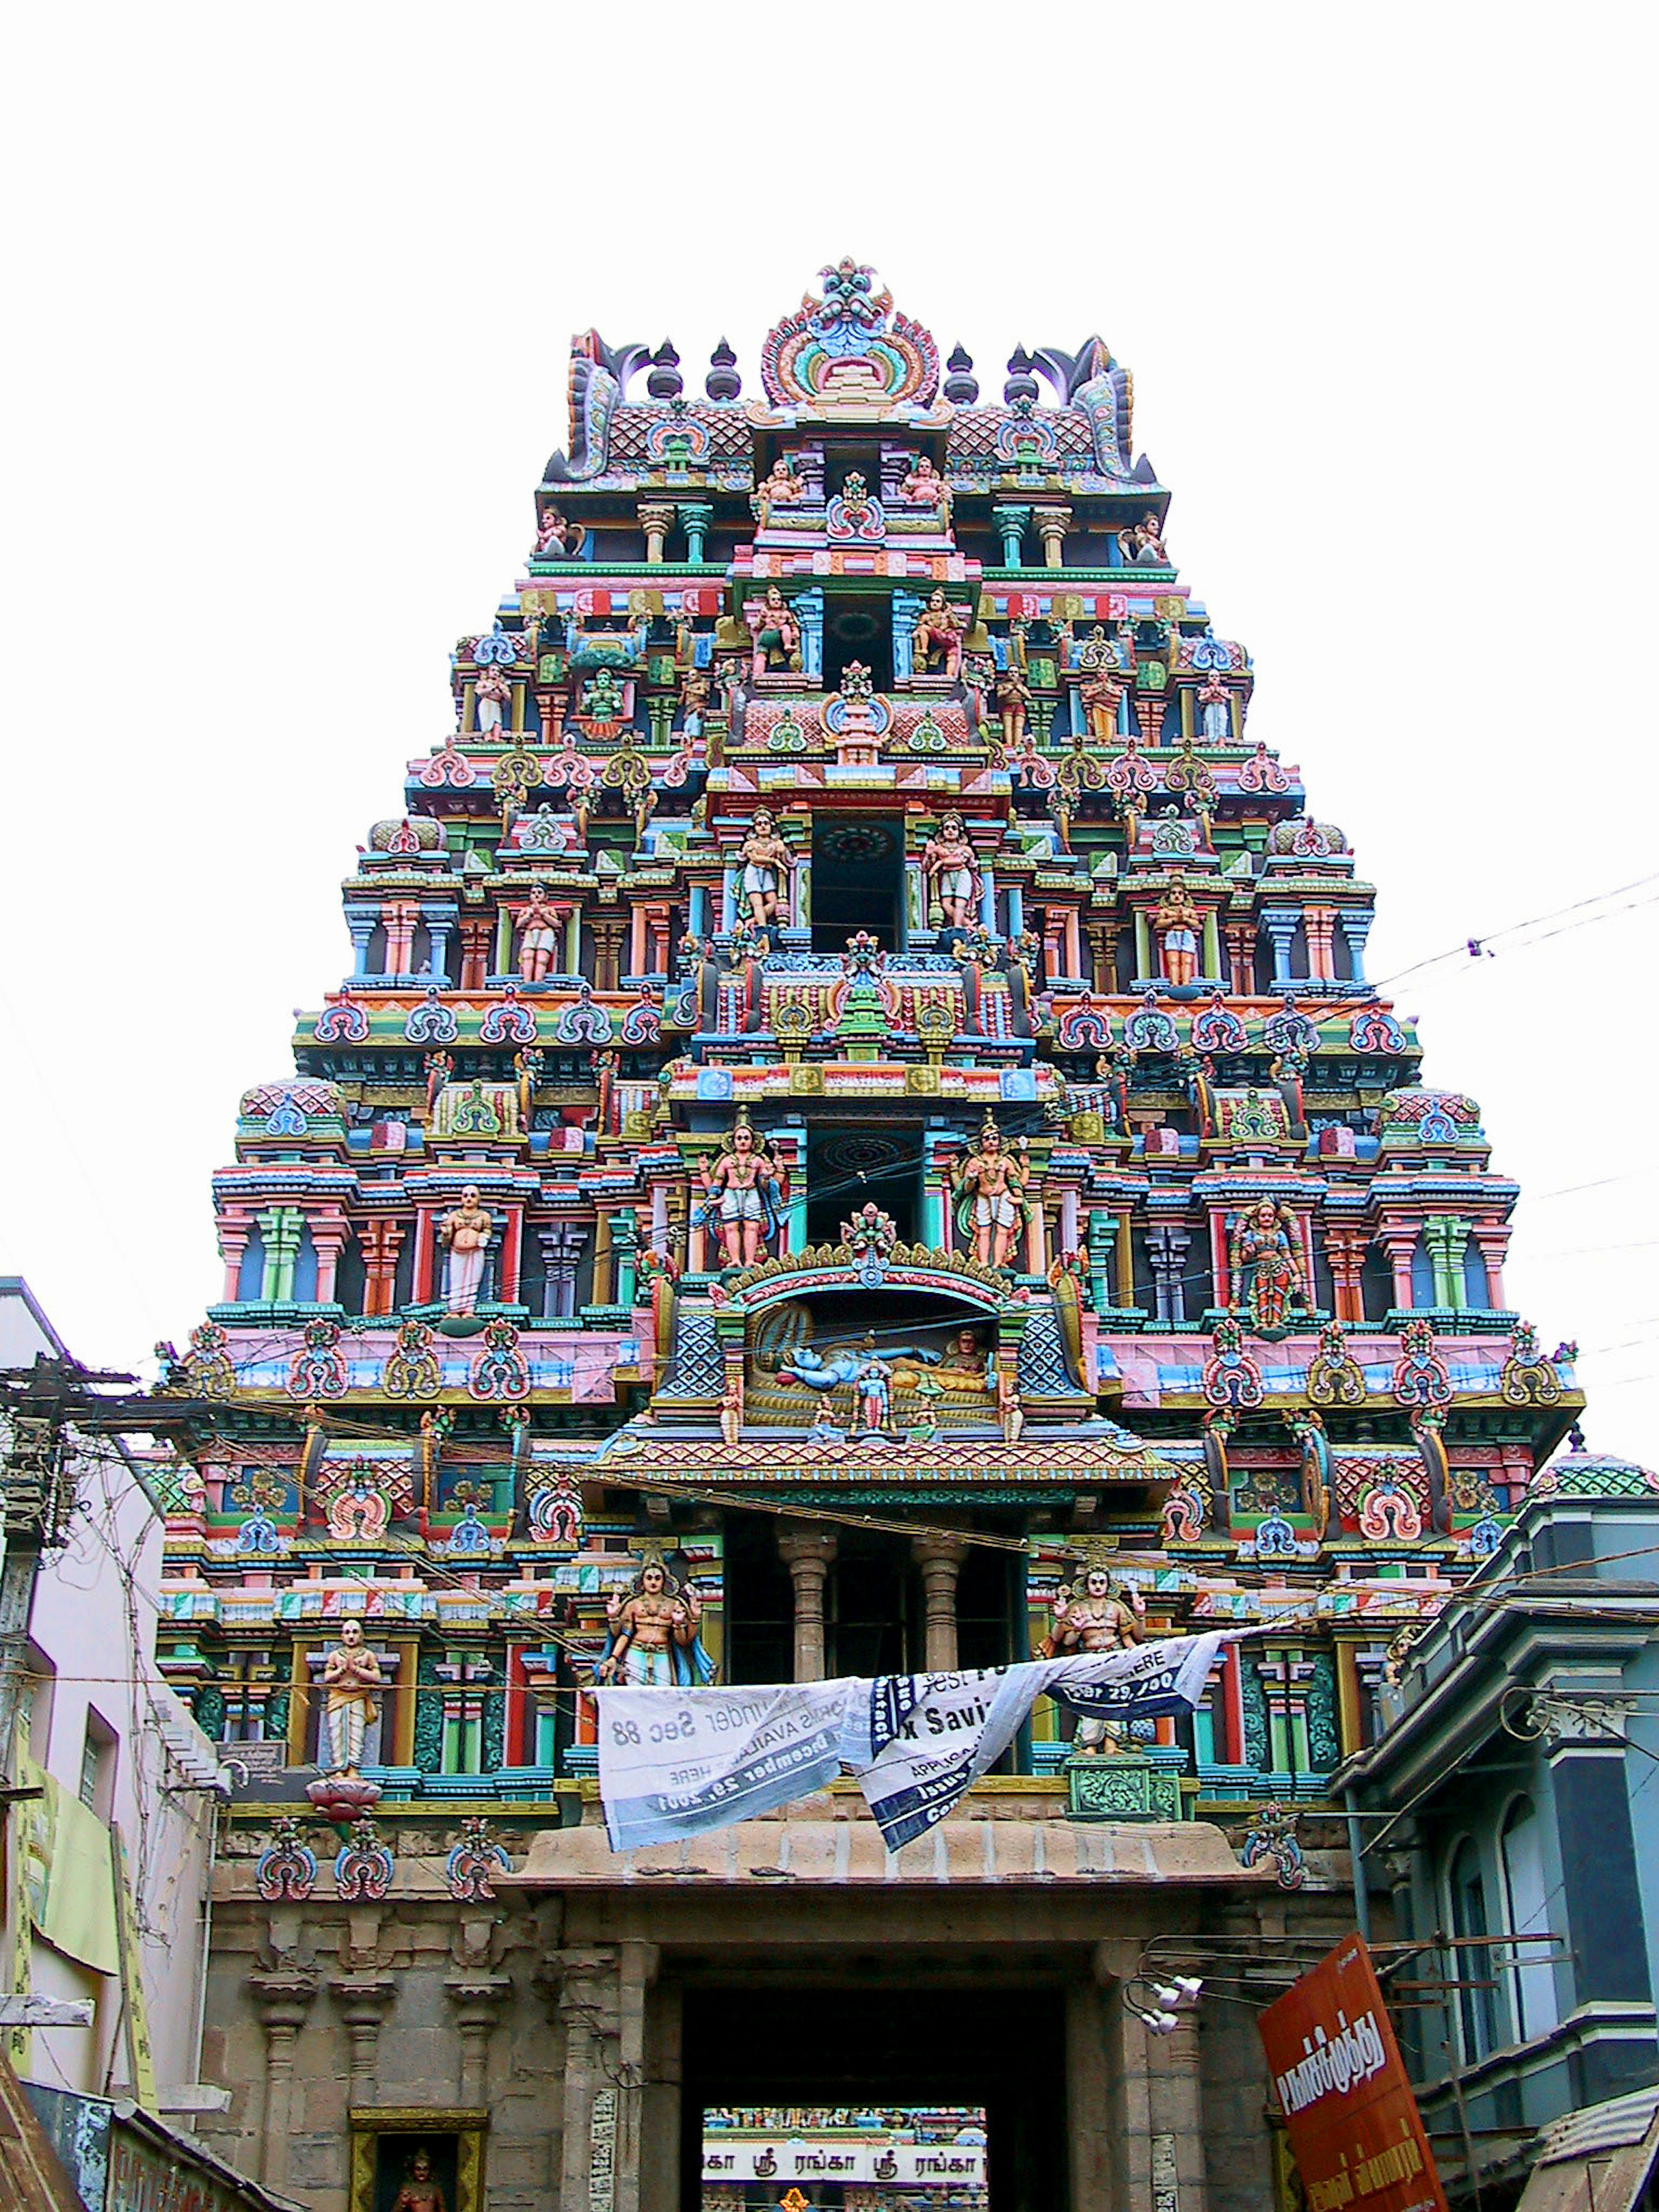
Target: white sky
291, 295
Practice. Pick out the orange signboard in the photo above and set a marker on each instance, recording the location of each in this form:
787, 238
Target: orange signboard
1352, 2121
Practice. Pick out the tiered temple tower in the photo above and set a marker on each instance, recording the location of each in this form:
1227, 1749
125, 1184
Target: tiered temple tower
856, 1083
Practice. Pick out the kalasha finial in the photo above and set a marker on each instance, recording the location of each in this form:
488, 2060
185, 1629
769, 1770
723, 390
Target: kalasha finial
961, 385
664, 382
1021, 384
722, 381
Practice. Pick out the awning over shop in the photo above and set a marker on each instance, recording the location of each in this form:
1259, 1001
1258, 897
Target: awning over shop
1596, 2160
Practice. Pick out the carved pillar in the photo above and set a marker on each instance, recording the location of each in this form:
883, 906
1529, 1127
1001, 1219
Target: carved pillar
1492, 1241
1053, 523
232, 1243
1178, 2174
1399, 1243
1321, 924
1241, 958
608, 933
363, 2001
695, 515
1279, 922
478, 1999
561, 1250
1166, 1245
1344, 1255
586, 2007
1011, 523
476, 931
656, 519
1356, 925
329, 1232
282, 2000
808, 1558
940, 1558
381, 1240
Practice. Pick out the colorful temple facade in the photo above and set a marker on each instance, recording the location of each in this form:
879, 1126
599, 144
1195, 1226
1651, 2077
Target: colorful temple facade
855, 1103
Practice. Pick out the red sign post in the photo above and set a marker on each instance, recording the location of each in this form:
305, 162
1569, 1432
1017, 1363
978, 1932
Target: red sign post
1352, 2121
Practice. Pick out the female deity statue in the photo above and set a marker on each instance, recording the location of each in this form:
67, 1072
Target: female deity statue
991, 1184
780, 487
925, 486
777, 641
464, 1232
538, 935
1098, 1620
351, 1674
1177, 922
766, 864
491, 693
937, 636
1267, 1271
653, 1639
947, 862
742, 1191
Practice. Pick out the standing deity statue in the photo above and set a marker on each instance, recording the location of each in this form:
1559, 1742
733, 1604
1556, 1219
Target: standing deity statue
1143, 542
1013, 705
422, 2192
872, 1389
492, 692
991, 1187
766, 864
742, 1193
1216, 712
1102, 688
1267, 1271
538, 935
654, 1633
1178, 922
948, 864
937, 636
351, 1675
1097, 1622
464, 1232
777, 639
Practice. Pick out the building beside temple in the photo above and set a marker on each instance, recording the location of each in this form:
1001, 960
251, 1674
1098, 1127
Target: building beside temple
855, 1137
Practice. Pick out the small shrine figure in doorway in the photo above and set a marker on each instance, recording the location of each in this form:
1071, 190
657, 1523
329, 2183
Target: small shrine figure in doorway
465, 1231
948, 863
1178, 922
351, 1675
991, 1187
742, 1193
937, 637
766, 864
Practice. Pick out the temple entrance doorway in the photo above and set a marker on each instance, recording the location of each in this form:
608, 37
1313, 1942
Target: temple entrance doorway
983, 2062
857, 881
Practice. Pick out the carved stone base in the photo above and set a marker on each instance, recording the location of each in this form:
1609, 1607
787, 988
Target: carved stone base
1121, 1787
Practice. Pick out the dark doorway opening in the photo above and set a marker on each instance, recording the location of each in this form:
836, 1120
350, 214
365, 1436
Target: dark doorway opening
857, 881
861, 628
873, 1607
760, 1603
849, 1164
998, 2046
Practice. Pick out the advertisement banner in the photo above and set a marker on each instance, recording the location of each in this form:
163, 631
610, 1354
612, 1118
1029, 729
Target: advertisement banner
1353, 2124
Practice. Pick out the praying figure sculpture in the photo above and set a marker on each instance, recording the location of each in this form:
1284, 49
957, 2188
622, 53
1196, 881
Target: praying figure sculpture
538, 935
991, 1187
464, 1233
1143, 542
766, 863
1102, 688
351, 1675
947, 862
937, 637
1178, 922
1099, 1620
741, 1195
492, 692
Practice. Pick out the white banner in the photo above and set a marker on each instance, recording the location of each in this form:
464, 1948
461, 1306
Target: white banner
678, 1762
790, 2158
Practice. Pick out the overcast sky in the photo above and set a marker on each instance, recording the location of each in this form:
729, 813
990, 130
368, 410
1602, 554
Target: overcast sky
291, 296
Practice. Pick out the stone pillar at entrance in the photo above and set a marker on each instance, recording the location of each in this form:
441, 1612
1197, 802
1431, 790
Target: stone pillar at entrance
808, 1558
478, 1999
283, 1999
1157, 2099
363, 2001
940, 1558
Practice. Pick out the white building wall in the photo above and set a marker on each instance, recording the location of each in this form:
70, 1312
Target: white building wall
92, 1632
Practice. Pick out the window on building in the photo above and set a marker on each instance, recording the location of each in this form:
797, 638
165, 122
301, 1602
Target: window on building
99, 1751
1531, 1976
1472, 1964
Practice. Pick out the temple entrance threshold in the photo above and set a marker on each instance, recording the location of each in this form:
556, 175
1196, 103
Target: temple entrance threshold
990, 2044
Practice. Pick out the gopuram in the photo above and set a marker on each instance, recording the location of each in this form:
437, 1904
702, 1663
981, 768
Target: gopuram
855, 1137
